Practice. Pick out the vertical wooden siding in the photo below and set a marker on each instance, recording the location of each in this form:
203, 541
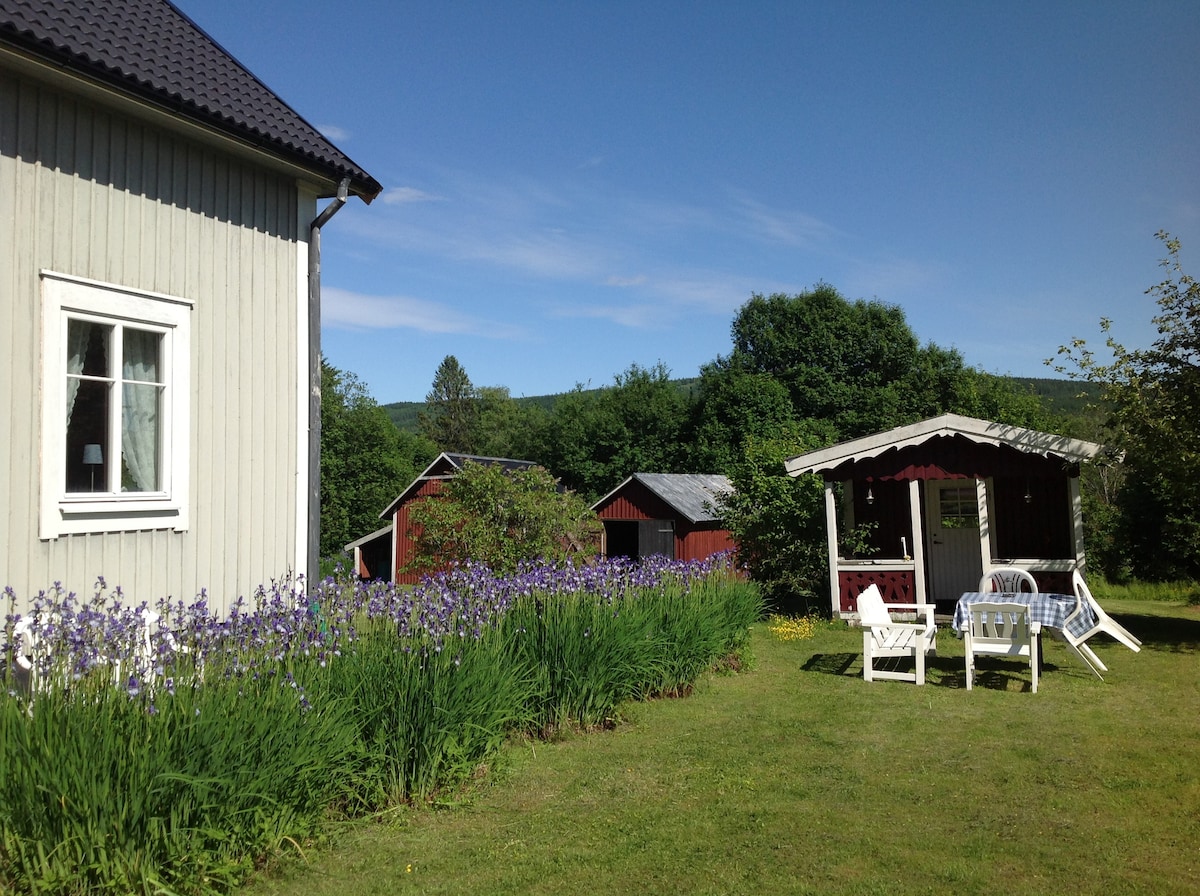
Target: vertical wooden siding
701, 543
404, 547
89, 193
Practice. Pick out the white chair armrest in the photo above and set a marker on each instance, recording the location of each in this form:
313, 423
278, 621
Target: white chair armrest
902, 626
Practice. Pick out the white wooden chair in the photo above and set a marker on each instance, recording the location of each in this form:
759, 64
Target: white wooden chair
883, 637
1008, 580
31, 652
1104, 622
1001, 630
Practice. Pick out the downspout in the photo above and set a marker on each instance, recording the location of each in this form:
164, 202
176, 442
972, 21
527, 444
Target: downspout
314, 374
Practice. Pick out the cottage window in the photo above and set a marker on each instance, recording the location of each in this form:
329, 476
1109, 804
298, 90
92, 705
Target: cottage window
958, 507
114, 408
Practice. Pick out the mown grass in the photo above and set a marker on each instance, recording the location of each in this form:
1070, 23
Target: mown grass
798, 777
1169, 592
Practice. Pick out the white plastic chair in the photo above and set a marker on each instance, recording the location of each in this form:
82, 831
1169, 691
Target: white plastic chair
1104, 622
1008, 580
1001, 630
884, 637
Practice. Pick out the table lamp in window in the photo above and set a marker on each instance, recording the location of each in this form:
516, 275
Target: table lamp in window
93, 456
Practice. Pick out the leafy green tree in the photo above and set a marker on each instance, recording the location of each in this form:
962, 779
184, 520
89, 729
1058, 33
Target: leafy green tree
991, 397
365, 460
855, 364
505, 428
595, 439
642, 421
1154, 400
778, 520
735, 406
452, 409
502, 518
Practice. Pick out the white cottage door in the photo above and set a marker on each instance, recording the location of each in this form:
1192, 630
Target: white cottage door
952, 526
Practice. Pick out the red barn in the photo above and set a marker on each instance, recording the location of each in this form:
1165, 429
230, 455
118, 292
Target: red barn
665, 513
945, 499
383, 554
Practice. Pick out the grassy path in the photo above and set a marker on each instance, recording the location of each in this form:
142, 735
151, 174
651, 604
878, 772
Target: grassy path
798, 777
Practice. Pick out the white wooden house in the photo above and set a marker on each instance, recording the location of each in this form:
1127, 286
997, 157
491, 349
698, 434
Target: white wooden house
159, 307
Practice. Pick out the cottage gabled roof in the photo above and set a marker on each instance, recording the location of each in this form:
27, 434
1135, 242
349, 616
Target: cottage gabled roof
447, 465
982, 432
694, 496
150, 51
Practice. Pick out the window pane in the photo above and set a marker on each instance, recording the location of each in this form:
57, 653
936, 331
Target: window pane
141, 454
959, 507
87, 437
141, 355
87, 347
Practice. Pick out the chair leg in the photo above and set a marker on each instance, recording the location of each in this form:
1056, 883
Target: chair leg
1033, 662
1080, 652
1124, 637
1087, 651
867, 670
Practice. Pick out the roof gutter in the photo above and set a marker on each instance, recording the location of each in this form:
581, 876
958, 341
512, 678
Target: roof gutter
313, 572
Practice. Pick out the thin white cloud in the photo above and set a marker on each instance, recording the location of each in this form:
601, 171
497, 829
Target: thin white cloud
404, 195
626, 282
570, 235
334, 133
783, 226
347, 310
890, 278
635, 317
552, 254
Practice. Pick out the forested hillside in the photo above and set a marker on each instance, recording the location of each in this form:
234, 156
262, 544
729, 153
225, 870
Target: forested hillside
1059, 396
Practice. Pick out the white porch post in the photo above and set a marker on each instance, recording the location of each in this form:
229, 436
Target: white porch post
1076, 521
918, 535
832, 544
985, 526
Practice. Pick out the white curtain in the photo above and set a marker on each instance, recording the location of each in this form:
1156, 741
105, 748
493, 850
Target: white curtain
78, 332
139, 408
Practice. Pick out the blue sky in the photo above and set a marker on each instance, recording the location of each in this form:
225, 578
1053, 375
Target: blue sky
572, 188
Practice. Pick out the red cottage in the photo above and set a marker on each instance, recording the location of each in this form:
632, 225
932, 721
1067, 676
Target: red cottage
665, 513
945, 499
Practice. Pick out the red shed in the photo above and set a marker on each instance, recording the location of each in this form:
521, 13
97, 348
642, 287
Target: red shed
373, 554
665, 513
445, 466
947, 498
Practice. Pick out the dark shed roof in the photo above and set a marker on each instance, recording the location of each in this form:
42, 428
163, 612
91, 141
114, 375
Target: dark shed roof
151, 51
692, 495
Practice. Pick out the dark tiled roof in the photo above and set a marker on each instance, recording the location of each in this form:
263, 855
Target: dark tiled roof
150, 50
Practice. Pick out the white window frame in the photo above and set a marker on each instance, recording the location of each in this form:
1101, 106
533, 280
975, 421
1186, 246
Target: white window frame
71, 513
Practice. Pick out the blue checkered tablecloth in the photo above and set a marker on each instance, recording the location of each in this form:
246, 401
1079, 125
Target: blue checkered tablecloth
1051, 610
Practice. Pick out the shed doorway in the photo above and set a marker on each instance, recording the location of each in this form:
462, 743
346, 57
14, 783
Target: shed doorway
952, 525
639, 538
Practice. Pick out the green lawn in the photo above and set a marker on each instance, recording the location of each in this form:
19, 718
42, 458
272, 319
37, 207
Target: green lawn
798, 777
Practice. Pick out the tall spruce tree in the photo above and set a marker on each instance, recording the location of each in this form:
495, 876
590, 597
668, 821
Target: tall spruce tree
452, 409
